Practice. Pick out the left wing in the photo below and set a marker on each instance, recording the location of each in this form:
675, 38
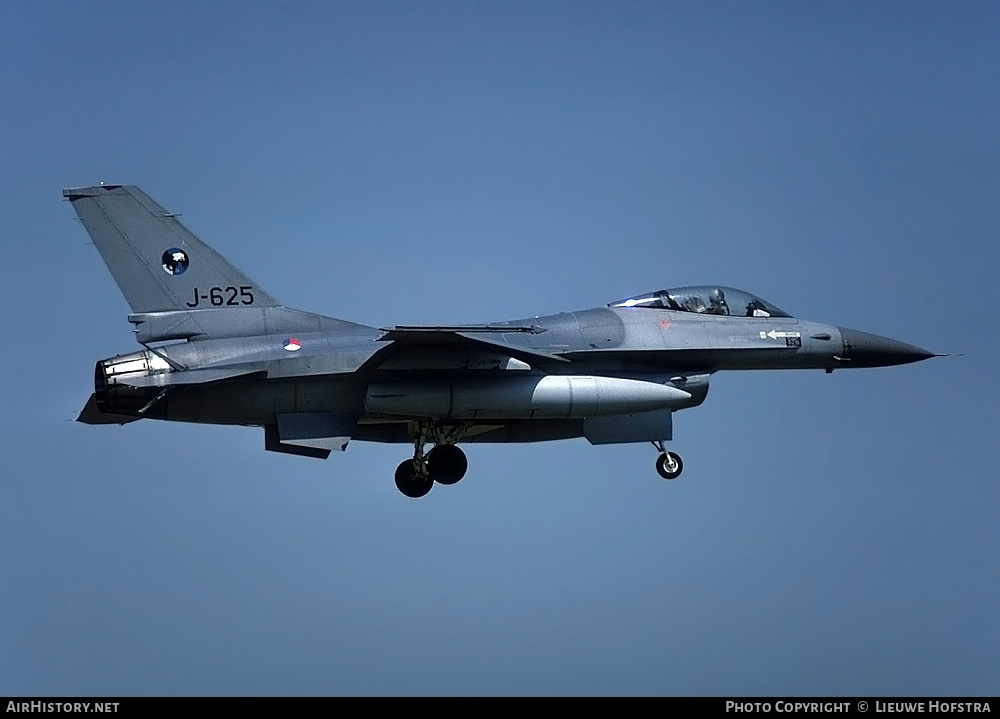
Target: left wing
485, 337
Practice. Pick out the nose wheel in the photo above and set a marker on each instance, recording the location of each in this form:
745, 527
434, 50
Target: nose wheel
668, 464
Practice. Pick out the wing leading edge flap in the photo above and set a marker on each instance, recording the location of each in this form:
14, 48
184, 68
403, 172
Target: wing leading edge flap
472, 334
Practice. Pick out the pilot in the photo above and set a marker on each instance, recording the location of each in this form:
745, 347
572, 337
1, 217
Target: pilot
717, 302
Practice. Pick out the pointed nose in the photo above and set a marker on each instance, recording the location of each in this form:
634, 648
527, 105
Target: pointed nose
863, 349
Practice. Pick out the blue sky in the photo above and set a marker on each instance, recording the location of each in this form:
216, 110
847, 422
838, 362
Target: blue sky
448, 162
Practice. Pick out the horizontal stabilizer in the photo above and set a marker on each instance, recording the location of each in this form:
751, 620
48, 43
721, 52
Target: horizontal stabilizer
92, 415
194, 376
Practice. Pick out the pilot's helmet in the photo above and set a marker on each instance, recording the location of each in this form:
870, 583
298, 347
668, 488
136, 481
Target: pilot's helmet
716, 297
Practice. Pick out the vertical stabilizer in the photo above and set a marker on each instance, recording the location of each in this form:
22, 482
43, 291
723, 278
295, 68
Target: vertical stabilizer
159, 265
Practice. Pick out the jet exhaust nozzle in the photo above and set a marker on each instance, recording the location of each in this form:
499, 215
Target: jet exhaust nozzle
115, 379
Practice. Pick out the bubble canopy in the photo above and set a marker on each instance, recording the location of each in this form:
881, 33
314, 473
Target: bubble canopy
705, 299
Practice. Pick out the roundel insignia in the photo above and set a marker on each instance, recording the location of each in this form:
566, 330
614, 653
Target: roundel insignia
292, 344
175, 261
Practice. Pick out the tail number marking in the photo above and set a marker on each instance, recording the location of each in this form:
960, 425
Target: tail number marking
223, 296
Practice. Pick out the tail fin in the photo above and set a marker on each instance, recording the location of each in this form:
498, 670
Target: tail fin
159, 265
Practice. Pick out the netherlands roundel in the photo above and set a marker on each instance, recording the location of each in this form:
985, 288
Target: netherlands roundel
292, 344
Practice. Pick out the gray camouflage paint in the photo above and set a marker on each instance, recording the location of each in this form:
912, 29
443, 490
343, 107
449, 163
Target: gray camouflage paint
233, 367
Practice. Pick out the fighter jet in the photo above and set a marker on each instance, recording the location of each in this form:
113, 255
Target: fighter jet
219, 349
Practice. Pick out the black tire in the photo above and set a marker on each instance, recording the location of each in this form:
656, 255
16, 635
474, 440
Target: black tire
447, 463
669, 465
410, 483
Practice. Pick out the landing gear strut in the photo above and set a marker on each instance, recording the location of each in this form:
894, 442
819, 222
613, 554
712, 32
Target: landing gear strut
444, 464
668, 464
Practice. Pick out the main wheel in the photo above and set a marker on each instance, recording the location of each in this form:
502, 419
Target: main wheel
447, 463
669, 465
410, 482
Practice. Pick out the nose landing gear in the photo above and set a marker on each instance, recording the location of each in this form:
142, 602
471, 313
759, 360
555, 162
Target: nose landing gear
668, 464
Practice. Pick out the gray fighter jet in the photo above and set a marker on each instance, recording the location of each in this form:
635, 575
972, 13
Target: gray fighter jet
218, 349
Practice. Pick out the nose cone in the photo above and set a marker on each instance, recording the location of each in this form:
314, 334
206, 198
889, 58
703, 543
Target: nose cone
863, 349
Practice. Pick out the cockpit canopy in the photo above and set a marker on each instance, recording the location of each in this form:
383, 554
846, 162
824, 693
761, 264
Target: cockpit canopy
707, 299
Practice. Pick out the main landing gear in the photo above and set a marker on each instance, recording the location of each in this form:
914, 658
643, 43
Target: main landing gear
444, 464
668, 464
